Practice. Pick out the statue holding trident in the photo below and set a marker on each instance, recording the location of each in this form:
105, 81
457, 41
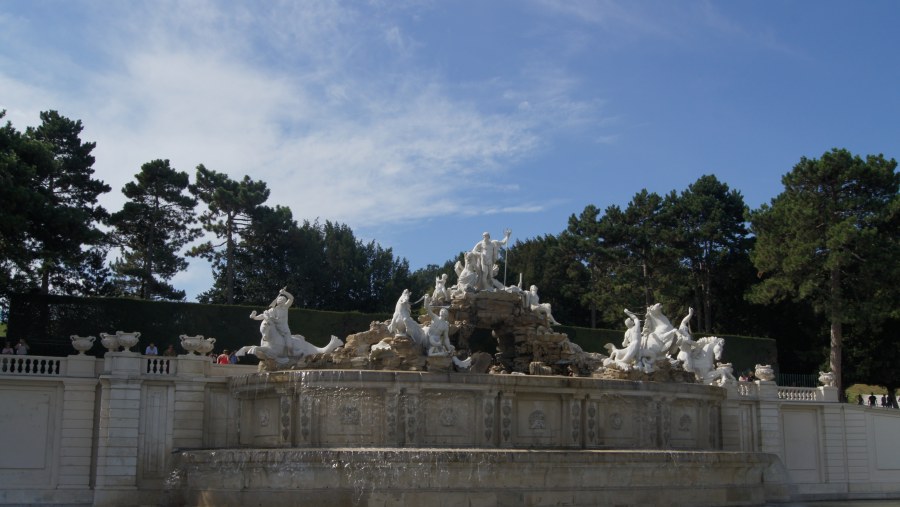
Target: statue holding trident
488, 252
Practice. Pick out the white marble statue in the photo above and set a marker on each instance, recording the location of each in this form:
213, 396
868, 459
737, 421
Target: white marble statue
625, 357
826, 378
723, 374
403, 324
658, 338
533, 303
702, 357
402, 314
467, 273
438, 332
488, 252
276, 341
441, 292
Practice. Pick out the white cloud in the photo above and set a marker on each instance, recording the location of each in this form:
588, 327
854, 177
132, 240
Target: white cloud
272, 93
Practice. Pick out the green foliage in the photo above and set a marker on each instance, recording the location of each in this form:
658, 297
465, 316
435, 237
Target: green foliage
152, 228
160, 322
541, 261
830, 240
325, 266
49, 235
230, 208
711, 240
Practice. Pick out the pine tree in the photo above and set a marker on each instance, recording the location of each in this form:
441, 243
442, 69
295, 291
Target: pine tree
152, 227
823, 240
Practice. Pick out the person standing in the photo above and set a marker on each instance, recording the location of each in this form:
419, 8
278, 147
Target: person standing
224, 357
151, 350
22, 348
8, 349
170, 351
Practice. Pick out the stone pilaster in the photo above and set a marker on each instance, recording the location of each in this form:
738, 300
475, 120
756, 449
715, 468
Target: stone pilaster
411, 418
770, 431
119, 424
77, 423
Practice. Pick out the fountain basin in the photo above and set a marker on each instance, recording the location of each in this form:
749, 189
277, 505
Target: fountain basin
511, 477
356, 408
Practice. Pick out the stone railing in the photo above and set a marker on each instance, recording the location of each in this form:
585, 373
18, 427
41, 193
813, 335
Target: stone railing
748, 390
753, 391
800, 394
32, 365
159, 365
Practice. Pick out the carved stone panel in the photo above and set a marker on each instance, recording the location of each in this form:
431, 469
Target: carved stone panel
539, 422
685, 425
349, 420
260, 422
618, 423
450, 418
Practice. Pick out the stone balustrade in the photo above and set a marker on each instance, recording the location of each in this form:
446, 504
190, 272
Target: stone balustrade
103, 431
32, 365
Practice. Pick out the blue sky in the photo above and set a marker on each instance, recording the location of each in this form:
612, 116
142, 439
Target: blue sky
423, 124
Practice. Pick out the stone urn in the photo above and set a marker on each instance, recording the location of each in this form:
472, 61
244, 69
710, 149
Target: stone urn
191, 343
826, 378
110, 341
206, 346
82, 343
127, 340
765, 372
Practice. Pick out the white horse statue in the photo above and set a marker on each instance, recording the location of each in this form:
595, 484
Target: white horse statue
699, 357
277, 344
658, 338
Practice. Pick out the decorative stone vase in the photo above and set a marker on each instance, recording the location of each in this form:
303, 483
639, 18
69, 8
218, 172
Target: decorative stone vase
191, 343
206, 346
82, 343
765, 372
127, 340
826, 378
110, 341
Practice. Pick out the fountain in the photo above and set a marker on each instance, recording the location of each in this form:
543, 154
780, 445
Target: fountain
404, 414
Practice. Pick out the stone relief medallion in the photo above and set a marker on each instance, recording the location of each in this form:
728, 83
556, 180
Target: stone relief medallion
615, 421
684, 424
447, 416
350, 415
537, 420
263, 417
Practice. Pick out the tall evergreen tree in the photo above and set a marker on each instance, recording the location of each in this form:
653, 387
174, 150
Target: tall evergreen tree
825, 238
152, 227
710, 235
638, 240
230, 207
18, 156
64, 224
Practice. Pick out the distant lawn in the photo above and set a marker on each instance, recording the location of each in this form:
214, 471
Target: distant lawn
865, 390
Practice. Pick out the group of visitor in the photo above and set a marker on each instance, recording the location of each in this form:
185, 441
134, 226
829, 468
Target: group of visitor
873, 401
748, 376
21, 348
226, 357
151, 350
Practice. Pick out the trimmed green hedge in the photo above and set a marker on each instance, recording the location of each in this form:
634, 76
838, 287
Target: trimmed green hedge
46, 322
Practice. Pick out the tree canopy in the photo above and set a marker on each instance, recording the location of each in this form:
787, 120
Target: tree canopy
829, 239
151, 228
818, 260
